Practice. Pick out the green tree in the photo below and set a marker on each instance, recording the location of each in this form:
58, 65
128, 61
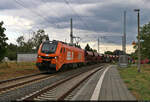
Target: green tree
88, 48
39, 37
133, 55
94, 50
20, 41
117, 52
109, 52
3, 43
32, 44
78, 46
12, 51
22, 45
144, 41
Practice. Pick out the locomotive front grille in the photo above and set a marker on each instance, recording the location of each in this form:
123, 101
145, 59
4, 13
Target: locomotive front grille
46, 57
46, 62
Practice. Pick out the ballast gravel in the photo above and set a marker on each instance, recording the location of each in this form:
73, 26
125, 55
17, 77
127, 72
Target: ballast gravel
18, 93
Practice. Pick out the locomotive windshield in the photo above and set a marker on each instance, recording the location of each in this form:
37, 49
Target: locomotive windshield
49, 47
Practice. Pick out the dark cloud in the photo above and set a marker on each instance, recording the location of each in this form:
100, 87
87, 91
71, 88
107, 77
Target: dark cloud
106, 17
74, 1
7, 4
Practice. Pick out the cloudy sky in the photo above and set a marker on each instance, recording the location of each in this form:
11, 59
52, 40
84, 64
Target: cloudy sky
91, 19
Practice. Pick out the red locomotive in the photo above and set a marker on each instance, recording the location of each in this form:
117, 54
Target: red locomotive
52, 55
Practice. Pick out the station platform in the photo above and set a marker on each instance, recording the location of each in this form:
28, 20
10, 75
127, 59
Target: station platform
105, 85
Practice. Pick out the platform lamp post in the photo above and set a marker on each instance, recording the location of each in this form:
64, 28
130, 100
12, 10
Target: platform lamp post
139, 53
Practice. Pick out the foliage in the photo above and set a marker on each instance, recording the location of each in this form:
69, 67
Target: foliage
25, 46
117, 52
3, 43
78, 46
133, 55
88, 48
20, 41
39, 37
144, 41
11, 52
32, 44
94, 50
109, 52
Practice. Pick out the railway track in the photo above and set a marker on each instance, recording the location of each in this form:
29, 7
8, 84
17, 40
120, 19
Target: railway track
18, 78
9, 85
62, 88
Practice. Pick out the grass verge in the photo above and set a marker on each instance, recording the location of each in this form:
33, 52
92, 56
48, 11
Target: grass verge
12, 69
137, 83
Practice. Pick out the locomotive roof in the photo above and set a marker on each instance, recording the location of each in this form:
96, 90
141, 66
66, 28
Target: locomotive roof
56, 41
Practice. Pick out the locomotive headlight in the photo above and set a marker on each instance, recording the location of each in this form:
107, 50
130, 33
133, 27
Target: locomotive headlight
55, 57
38, 56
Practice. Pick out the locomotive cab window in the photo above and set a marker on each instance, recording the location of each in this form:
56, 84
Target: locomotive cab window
49, 47
61, 50
64, 50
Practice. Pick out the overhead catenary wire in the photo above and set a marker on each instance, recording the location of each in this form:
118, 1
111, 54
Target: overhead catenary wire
45, 19
44, 1
83, 22
39, 15
37, 26
39, 11
80, 17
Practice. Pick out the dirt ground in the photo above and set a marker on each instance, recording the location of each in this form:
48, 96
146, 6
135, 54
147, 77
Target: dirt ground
13, 69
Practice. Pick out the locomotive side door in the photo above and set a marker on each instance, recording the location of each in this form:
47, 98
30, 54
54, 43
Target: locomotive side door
62, 55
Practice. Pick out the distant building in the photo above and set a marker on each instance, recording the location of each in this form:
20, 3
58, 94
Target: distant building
6, 59
26, 57
123, 61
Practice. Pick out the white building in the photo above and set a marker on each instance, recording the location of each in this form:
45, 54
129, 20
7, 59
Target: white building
26, 57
